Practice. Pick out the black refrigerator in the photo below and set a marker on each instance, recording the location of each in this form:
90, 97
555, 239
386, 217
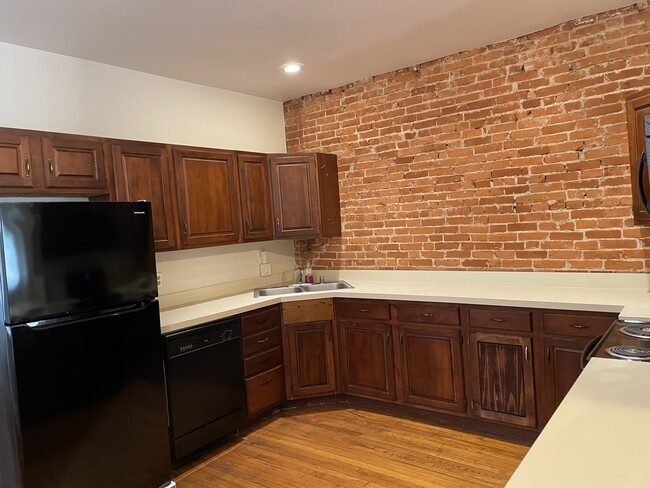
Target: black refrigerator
82, 393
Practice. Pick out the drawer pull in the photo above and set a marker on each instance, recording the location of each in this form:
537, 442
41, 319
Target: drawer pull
265, 382
526, 354
580, 326
261, 321
401, 339
548, 354
363, 310
497, 319
49, 162
428, 315
27, 167
262, 341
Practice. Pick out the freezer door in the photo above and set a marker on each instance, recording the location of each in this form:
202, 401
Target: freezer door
92, 403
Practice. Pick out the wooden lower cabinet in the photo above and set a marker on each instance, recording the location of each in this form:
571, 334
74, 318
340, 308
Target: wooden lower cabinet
263, 366
310, 354
366, 359
501, 377
562, 356
432, 367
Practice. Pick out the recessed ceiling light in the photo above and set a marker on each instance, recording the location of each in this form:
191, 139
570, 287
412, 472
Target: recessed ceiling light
291, 67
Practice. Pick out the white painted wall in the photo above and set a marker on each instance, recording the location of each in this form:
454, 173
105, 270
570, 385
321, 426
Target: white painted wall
45, 91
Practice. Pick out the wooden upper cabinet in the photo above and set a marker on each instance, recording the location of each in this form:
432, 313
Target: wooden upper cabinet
208, 197
501, 376
255, 192
305, 196
144, 172
42, 163
638, 131
73, 162
16, 164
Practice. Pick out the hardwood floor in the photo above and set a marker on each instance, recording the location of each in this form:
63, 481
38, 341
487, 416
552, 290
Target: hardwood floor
348, 447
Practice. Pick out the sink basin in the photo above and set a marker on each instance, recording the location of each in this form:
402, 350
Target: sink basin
334, 285
304, 288
277, 290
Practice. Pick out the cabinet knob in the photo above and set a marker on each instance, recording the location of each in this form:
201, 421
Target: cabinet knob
27, 167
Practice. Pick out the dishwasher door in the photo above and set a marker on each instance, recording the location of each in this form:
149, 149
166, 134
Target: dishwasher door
205, 385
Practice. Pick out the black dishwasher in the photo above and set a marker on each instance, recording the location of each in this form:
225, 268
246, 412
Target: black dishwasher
205, 385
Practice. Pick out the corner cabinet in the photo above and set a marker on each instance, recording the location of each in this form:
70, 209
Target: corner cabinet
366, 353
309, 348
144, 172
305, 196
34, 162
208, 197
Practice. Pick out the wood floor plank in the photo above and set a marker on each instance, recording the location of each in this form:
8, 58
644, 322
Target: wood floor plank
349, 447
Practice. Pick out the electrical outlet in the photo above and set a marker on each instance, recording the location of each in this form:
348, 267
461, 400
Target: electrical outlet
265, 269
159, 280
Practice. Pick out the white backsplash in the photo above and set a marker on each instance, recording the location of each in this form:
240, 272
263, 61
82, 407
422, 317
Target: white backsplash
200, 274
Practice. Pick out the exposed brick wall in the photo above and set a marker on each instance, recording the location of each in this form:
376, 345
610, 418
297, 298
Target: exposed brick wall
513, 156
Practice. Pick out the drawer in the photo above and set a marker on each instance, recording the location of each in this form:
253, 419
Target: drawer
265, 391
428, 313
347, 308
254, 322
307, 311
261, 362
261, 342
500, 318
577, 324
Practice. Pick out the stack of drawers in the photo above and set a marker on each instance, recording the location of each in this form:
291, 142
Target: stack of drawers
262, 350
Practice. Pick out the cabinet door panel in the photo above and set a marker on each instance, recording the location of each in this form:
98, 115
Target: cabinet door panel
562, 367
16, 165
367, 365
208, 197
295, 196
254, 187
73, 162
311, 354
143, 172
264, 391
503, 378
432, 369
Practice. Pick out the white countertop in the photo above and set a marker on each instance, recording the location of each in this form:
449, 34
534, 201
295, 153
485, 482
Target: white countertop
598, 436
564, 292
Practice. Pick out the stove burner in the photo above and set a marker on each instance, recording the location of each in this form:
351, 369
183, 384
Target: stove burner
640, 331
630, 352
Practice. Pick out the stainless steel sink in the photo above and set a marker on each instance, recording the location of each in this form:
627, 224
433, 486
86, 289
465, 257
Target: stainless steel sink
303, 288
334, 285
277, 290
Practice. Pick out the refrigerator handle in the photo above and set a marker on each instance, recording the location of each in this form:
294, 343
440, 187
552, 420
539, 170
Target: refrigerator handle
82, 317
643, 161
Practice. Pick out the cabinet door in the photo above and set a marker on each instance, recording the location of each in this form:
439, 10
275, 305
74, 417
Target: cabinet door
311, 358
432, 366
208, 197
502, 378
255, 191
144, 172
294, 182
73, 162
367, 366
562, 364
638, 111
16, 165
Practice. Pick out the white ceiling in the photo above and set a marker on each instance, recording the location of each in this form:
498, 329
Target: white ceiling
240, 44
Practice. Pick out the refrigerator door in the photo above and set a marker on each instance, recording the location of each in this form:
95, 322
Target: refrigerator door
92, 402
63, 258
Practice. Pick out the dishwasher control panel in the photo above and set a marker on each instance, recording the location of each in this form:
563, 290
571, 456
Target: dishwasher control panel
202, 336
